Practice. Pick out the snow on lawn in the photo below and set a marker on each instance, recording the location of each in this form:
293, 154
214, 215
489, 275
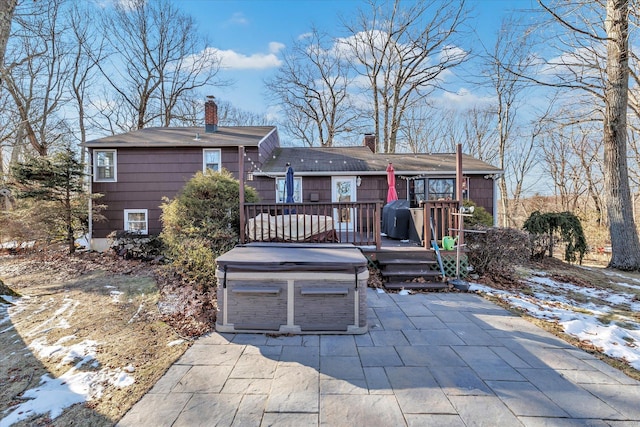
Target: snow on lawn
552, 301
80, 383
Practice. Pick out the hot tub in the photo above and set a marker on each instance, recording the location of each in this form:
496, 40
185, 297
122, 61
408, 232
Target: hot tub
292, 288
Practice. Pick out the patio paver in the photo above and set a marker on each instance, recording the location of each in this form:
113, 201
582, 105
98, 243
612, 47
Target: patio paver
433, 359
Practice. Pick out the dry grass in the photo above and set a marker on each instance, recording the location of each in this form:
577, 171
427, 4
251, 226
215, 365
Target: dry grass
129, 331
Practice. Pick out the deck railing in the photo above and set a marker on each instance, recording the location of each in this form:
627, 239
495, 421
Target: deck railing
357, 223
445, 220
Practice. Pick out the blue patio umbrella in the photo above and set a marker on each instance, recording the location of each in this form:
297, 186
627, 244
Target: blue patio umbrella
288, 185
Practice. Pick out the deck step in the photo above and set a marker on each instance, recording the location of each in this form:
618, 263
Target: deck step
386, 256
396, 286
415, 272
408, 261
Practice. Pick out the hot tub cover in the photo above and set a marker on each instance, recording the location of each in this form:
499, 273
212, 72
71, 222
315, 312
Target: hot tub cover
293, 257
290, 227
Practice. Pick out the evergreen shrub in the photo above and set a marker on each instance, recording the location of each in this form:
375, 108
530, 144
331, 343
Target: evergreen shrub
544, 228
203, 222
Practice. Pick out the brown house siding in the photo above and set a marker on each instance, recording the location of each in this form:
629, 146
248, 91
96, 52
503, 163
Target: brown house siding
481, 192
145, 177
372, 188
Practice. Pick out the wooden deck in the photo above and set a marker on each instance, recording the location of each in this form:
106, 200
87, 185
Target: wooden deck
357, 223
404, 264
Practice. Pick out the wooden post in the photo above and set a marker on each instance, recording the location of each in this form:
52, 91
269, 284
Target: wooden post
241, 180
426, 225
459, 179
376, 225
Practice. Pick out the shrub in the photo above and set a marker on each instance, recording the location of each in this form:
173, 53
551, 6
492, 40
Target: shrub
480, 216
203, 222
55, 186
543, 228
497, 250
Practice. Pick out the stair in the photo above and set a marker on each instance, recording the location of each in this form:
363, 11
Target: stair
401, 268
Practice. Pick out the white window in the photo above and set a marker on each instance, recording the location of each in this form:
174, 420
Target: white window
442, 189
105, 165
211, 160
281, 194
136, 221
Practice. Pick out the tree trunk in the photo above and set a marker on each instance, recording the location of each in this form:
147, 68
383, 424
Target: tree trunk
7, 8
625, 248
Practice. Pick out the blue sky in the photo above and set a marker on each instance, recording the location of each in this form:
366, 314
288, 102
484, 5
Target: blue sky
251, 34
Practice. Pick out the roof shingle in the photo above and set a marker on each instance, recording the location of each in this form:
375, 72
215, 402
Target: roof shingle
361, 160
186, 136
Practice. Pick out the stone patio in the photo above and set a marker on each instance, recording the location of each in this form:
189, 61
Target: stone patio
436, 359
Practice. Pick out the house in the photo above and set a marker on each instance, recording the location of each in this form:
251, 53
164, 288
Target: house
134, 171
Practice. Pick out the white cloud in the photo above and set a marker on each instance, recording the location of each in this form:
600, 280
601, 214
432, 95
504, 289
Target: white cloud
453, 53
238, 18
275, 47
232, 60
584, 62
274, 113
463, 98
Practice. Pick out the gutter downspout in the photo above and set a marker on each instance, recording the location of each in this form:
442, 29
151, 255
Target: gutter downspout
90, 201
495, 200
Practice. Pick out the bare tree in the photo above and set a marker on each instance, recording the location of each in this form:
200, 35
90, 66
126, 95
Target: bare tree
157, 59
634, 103
609, 83
479, 130
87, 51
311, 86
37, 74
7, 8
8, 125
423, 130
626, 246
403, 49
563, 166
234, 116
508, 60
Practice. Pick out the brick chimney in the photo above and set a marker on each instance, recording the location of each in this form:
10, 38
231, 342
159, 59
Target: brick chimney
370, 141
210, 115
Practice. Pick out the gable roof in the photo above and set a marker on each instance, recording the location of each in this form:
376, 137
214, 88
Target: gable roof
362, 161
231, 136
358, 160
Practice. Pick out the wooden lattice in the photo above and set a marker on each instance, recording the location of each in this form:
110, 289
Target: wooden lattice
449, 264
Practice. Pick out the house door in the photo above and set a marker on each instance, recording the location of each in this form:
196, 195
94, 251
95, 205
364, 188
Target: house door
343, 190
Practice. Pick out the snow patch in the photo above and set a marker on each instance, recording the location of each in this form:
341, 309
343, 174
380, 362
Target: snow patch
552, 301
8, 298
77, 385
115, 296
56, 321
54, 395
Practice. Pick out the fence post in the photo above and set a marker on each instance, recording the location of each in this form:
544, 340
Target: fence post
376, 225
241, 179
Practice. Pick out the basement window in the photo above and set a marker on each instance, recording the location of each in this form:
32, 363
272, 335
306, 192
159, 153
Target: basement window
136, 221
